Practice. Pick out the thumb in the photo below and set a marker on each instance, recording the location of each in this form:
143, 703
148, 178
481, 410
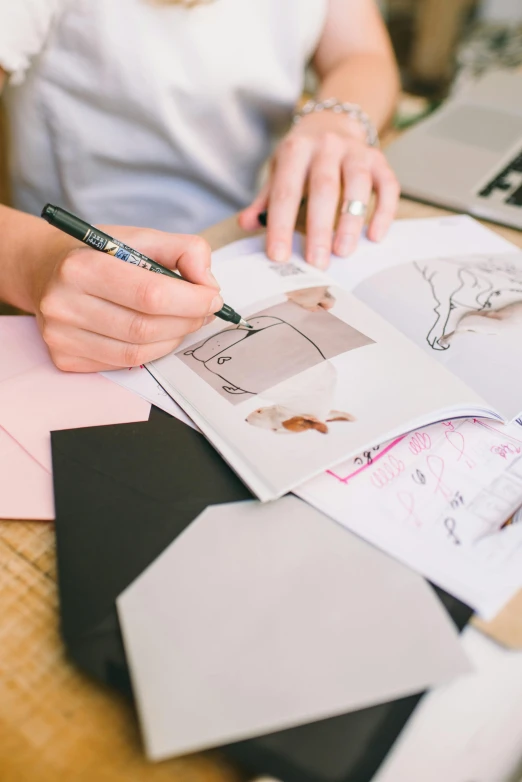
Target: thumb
194, 262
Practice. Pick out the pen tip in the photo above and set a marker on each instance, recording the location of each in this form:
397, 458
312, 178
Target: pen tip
245, 324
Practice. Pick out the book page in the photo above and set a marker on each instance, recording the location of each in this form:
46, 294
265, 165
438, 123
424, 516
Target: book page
318, 377
442, 500
463, 311
455, 289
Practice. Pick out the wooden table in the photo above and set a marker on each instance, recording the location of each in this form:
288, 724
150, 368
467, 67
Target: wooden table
55, 724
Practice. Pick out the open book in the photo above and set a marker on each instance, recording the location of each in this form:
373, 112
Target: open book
326, 372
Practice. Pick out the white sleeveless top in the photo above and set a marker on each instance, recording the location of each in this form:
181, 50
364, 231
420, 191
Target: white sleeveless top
131, 112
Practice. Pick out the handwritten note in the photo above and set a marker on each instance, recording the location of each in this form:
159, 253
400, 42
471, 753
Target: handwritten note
441, 499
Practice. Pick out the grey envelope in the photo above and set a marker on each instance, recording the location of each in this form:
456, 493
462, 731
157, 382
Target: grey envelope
260, 617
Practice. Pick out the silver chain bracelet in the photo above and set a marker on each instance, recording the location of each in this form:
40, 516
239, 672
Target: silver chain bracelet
353, 110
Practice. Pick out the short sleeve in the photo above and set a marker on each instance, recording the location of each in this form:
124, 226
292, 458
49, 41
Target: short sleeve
311, 17
24, 28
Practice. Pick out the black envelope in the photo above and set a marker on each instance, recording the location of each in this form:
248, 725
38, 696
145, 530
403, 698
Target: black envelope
123, 494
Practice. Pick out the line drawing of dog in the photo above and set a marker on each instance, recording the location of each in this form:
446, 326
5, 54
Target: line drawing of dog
490, 322
299, 409
223, 353
220, 349
459, 287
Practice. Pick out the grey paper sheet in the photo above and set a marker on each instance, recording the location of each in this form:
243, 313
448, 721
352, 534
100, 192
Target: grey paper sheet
265, 616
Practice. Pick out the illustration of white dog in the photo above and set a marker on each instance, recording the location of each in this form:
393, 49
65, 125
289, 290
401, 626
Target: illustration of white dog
300, 409
490, 322
465, 288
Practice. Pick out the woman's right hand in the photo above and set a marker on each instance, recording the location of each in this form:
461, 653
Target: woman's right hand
96, 312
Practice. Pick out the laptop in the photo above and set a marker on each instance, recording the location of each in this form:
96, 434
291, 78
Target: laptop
467, 156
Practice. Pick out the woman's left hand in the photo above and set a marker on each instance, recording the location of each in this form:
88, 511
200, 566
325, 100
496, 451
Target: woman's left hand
327, 155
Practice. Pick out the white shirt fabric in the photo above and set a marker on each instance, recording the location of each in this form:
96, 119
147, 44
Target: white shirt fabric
139, 113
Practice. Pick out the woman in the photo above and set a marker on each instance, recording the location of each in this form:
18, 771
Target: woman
157, 114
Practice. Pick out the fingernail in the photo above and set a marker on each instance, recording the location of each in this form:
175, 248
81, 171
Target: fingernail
320, 257
378, 234
212, 280
345, 246
279, 252
217, 303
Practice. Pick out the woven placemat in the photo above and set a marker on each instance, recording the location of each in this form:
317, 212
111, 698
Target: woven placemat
55, 724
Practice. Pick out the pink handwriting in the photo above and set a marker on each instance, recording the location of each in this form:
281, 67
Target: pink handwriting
504, 449
456, 439
436, 466
503, 435
386, 472
379, 456
407, 501
421, 441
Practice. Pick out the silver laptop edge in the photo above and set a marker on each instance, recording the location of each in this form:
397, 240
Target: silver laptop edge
451, 157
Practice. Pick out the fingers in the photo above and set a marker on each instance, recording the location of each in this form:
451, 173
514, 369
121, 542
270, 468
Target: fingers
69, 363
97, 312
108, 278
323, 162
189, 254
357, 186
286, 188
64, 340
248, 218
194, 262
323, 196
388, 194
102, 317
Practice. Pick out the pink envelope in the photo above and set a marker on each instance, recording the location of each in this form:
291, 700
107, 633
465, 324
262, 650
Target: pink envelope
44, 399
36, 399
26, 489
21, 346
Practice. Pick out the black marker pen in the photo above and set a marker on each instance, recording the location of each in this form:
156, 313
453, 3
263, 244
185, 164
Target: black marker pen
263, 216
92, 237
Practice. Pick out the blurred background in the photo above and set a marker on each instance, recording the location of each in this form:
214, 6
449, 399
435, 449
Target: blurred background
434, 39
440, 44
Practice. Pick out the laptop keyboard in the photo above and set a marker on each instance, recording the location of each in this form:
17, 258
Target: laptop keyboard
509, 181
